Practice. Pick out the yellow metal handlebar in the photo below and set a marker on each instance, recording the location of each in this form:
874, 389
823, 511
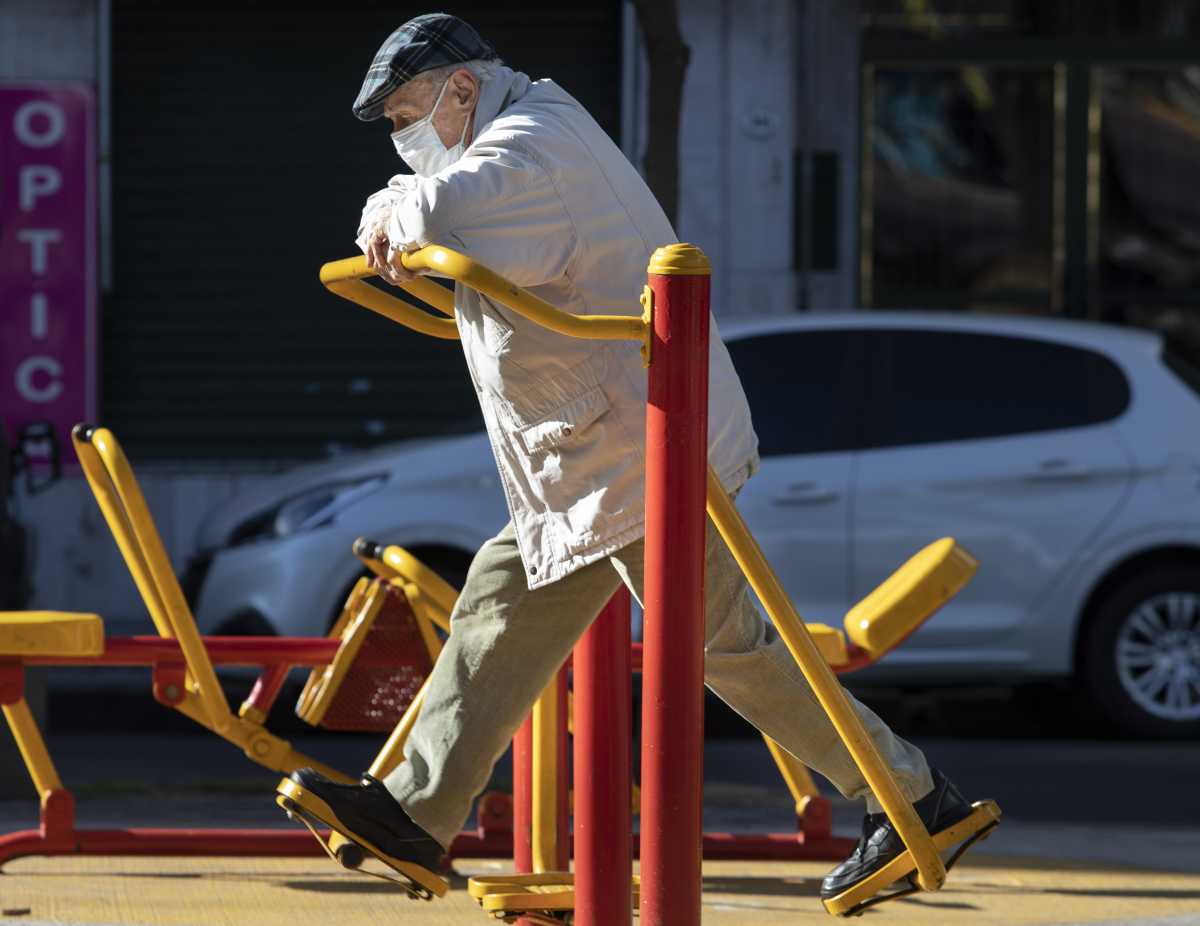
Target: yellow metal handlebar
345, 278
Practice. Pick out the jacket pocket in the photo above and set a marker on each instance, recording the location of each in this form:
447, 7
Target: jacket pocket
583, 474
564, 423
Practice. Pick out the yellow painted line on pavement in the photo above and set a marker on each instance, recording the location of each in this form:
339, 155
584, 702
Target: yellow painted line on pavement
982, 891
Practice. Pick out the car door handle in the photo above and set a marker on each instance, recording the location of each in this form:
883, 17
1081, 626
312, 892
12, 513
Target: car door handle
805, 493
1059, 470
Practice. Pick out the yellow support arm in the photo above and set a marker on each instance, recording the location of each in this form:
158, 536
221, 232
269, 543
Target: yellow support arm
931, 872
118, 523
32, 748
795, 775
435, 596
427, 617
216, 708
545, 779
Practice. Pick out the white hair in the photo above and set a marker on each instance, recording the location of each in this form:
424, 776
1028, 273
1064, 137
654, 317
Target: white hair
483, 69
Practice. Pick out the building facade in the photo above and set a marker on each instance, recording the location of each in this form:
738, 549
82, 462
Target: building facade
973, 155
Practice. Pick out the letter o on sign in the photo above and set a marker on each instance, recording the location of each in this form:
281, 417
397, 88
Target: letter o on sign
39, 133
31, 391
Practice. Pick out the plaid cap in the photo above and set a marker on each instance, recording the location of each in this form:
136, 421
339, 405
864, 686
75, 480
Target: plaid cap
421, 44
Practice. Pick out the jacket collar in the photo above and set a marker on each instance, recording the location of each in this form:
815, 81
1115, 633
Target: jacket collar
496, 95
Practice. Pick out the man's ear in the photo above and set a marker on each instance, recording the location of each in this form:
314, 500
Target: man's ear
464, 87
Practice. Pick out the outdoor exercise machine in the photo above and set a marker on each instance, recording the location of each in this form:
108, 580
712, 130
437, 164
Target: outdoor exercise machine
680, 488
386, 632
541, 803
366, 676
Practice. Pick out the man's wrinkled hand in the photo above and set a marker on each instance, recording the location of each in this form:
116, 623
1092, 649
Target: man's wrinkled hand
385, 261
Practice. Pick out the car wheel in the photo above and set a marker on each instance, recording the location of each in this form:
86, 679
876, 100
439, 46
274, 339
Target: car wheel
450, 564
1141, 655
246, 624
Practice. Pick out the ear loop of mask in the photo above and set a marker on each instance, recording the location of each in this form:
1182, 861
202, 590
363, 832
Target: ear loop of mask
428, 117
411, 130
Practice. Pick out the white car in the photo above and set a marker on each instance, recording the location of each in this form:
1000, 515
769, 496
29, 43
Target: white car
1064, 455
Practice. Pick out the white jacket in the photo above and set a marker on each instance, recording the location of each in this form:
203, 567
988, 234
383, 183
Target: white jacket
543, 197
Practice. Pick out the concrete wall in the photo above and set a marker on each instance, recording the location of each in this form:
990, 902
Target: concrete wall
736, 149
48, 39
770, 84
828, 121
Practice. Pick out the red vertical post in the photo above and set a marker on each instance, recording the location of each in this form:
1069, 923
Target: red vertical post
523, 797
603, 789
673, 668
562, 790
523, 801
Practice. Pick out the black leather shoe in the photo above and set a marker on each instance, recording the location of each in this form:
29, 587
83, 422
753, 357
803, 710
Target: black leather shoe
368, 814
940, 809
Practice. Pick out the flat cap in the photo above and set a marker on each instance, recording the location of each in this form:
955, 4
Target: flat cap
421, 44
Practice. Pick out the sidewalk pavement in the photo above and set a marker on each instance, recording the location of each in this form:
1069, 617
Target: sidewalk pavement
982, 891
1050, 861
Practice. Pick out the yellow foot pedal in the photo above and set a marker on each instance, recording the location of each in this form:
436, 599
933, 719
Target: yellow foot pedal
306, 807
546, 898
985, 817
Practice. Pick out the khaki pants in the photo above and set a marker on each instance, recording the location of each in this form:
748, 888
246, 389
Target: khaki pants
506, 643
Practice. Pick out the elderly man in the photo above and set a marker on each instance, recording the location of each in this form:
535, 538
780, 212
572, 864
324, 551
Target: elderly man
516, 174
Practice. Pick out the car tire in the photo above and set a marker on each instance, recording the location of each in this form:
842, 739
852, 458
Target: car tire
1140, 657
246, 624
451, 565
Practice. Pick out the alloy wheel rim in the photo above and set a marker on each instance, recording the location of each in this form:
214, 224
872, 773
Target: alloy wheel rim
1158, 656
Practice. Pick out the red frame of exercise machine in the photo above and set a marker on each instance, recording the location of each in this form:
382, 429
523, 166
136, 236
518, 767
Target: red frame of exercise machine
672, 841
499, 817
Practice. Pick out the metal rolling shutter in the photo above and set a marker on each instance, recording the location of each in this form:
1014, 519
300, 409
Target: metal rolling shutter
238, 169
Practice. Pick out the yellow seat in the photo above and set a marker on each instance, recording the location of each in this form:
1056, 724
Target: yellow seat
50, 633
384, 626
882, 620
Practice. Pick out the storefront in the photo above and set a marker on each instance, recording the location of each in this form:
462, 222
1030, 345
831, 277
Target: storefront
1034, 158
238, 169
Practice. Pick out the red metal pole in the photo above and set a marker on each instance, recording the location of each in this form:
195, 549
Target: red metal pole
266, 689
222, 651
603, 730
523, 797
523, 801
673, 673
562, 789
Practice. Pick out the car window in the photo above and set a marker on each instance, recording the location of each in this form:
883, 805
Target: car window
1185, 371
801, 386
937, 386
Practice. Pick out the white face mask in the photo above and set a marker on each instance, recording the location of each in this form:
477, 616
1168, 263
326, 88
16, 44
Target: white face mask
422, 148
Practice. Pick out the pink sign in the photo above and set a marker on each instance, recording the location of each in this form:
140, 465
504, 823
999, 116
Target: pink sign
48, 345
